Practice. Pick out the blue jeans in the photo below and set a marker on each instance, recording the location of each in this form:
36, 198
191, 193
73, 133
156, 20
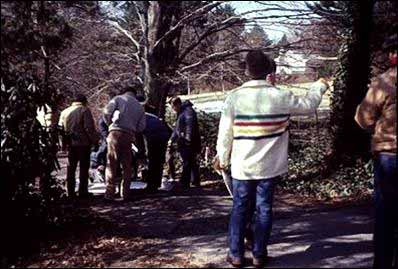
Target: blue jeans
386, 209
246, 193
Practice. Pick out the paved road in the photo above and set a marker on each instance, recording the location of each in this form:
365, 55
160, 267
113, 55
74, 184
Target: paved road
339, 238
195, 230
189, 229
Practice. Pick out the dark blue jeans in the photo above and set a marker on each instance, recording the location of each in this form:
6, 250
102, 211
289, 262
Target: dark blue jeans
246, 193
99, 157
386, 209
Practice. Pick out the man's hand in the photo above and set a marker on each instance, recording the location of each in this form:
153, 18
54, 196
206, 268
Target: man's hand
324, 81
216, 164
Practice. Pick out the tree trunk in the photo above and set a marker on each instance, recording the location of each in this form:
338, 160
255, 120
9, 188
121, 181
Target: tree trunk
350, 86
158, 59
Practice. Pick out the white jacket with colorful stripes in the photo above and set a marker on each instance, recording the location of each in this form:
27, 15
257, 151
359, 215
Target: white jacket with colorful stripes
253, 135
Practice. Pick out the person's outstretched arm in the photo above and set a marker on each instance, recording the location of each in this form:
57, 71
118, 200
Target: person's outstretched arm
225, 134
308, 103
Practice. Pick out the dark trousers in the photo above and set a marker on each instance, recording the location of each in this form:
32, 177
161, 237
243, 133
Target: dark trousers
99, 157
386, 209
245, 194
78, 155
190, 167
156, 159
170, 158
102, 152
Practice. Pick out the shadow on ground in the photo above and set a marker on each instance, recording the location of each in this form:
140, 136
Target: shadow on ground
189, 229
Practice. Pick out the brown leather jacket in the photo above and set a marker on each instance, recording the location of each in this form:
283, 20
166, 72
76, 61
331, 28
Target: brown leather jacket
378, 111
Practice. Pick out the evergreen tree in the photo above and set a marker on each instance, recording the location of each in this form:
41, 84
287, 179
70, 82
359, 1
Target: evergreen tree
257, 37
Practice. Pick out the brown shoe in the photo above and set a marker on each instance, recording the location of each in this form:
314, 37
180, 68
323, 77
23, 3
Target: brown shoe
234, 261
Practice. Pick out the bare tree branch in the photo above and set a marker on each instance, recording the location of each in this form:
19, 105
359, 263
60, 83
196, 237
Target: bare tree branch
275, 9
126, 33
228, 24
185, 19
224, 54
292, 16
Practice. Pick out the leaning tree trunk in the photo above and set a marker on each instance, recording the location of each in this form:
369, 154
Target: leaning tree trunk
350, 86
159, 59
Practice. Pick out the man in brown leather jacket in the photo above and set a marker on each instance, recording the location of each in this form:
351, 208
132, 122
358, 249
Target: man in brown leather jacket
378, 113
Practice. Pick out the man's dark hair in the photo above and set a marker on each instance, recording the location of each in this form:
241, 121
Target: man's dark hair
129, 88
131, 85
112, 93
141, 98
80, 98
176, 101
258, 64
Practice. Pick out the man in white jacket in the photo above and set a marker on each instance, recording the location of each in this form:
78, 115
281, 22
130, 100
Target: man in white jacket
253, 139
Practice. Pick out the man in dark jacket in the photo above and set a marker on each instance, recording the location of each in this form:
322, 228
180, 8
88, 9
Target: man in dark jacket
156, 135
98, 158
186, 134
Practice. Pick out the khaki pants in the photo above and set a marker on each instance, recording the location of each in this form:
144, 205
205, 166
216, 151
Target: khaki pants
119, 152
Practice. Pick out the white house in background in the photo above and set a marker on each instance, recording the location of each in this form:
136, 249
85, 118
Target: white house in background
291, 62
297, 63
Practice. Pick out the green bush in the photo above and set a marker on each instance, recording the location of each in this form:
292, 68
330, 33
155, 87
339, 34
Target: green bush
208, 127
31, 34
308, 145
307, 155
28, 158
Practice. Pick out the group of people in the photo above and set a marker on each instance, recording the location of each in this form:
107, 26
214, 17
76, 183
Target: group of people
253, 140
129, 132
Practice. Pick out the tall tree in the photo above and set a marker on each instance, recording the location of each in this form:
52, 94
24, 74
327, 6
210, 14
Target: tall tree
162, 50
352, 76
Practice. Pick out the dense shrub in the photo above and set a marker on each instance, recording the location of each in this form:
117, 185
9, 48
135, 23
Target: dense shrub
208, 126
310, 141
31, 33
